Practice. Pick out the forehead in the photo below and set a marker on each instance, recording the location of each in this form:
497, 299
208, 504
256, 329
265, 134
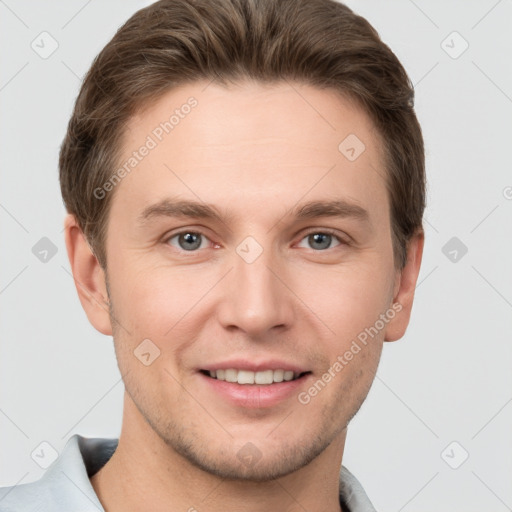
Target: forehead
269, 142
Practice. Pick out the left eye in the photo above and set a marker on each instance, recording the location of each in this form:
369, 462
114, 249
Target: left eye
320, 240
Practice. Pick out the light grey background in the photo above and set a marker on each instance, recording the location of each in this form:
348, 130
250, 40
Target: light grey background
449, 379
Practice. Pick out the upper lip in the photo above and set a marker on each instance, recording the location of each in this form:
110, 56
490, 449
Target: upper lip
243, 364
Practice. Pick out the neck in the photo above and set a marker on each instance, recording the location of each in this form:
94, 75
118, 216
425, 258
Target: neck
150, 475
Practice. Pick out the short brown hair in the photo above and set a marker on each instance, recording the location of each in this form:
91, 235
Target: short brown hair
172, 42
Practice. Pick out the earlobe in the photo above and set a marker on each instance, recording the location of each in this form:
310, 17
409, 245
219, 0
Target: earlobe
89, 277
404, 289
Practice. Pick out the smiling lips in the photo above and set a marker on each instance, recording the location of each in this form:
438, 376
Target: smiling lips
254, 377
254, 384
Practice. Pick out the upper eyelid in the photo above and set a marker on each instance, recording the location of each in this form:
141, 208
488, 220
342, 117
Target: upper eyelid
328, 231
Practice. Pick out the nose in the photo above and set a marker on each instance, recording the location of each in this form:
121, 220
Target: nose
256, 299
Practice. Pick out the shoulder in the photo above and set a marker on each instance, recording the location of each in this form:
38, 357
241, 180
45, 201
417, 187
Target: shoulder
65, 486
26, 497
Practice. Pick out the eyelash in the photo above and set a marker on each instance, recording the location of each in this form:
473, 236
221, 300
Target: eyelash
324, 231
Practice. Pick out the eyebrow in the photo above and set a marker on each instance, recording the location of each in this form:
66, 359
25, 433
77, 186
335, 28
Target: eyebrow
197, 210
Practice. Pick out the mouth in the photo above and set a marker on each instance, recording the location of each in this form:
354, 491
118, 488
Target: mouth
247, 377
257, 385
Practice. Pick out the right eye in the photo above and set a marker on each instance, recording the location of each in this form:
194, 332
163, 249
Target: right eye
187, 240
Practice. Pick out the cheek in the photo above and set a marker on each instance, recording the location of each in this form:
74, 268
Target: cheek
151, 301
345, 300
169, 307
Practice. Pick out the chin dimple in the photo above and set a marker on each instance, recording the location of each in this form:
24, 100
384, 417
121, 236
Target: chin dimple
264, 377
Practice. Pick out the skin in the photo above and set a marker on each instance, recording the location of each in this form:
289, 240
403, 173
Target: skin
255, 152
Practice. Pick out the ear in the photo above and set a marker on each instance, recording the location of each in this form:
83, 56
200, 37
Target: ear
89, 277
405, 285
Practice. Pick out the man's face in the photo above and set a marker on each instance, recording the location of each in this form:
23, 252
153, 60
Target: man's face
257, 288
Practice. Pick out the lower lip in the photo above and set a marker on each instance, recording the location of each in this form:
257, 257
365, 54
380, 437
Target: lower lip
255, 396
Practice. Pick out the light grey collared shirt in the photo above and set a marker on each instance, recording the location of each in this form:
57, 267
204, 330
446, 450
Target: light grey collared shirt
65, 486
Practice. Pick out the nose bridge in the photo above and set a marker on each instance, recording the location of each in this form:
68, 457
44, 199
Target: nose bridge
256, 300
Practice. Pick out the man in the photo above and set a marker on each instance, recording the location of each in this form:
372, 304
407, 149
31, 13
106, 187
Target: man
245, 187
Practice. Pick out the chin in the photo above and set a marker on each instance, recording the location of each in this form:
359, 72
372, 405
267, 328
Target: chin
246, 461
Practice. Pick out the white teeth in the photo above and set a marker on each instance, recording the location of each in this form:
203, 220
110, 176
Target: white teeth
265, 377
231, 375
288, 375
278, 375
245, 377
249, 377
